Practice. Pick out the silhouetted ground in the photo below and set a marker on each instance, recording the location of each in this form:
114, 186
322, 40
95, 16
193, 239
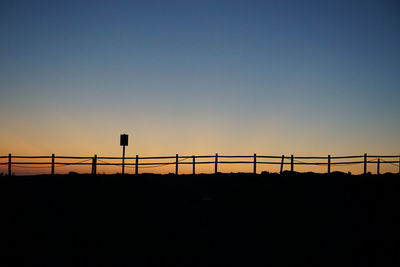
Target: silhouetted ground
202, 220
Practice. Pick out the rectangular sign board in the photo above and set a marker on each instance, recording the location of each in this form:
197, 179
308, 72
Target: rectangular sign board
124, 140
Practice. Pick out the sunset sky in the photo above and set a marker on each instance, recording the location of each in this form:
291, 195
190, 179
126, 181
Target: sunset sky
200, 77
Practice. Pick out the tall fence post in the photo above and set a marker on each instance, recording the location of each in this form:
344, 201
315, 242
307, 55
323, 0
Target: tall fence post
291, 163
282, 160
365, 163
378, 166
123, 160
255, 164
94, 165
176, 164
137, 165
329, 164
9, 165
216, 163
52, 164
194, 165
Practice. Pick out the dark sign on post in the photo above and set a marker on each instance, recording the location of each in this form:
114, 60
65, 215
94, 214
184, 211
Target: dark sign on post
124, 140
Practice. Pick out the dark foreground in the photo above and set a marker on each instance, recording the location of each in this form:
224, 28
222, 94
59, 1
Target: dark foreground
203, 220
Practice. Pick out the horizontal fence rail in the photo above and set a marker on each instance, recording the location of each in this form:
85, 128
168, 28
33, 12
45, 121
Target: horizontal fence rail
52, 162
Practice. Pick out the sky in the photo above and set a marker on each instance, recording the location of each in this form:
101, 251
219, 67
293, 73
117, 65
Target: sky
199, 77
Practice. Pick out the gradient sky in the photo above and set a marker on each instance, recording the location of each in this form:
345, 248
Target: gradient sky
199, 77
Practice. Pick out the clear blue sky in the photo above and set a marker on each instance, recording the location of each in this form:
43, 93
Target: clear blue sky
272, 77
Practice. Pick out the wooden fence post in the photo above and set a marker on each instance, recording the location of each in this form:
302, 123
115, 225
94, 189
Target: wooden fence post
123, 160
282, 160
94, 165
255, 164
194, 165
176, 164
291, 163
52, 164
216, 163
9, 165
365, 163
137, 165
378, 166
329, 164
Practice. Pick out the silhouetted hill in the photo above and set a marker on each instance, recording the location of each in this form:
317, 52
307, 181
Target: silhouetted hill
203, 220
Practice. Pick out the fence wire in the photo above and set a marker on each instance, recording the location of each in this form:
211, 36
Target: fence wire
184, 160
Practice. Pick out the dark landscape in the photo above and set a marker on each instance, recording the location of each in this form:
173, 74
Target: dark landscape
291, 219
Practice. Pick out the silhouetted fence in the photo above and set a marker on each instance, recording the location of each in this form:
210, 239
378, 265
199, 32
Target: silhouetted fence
255, 160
